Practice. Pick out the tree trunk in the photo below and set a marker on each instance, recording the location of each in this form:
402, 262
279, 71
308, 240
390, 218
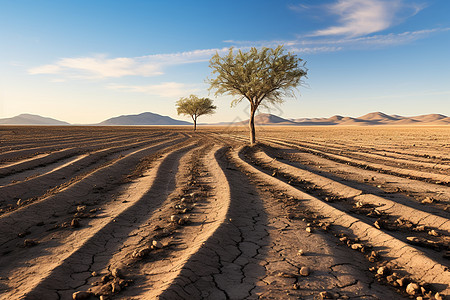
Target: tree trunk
195, 124
251, 124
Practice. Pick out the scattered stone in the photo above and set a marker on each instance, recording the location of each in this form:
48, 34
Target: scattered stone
81, 208
157, 244
94, 274
174, 218
75, 223
80, 295
420, 228
309, 229
374, 256
300, 252
105, 279
29, 243
419, 298
304, 271
19, 202
433, 233
325, 295
382, 271
295, 286
357, 246
438, 296
427, 200
412, 288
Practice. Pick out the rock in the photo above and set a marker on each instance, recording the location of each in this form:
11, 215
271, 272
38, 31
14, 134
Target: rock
438, 296
94, 274
357, 246
157, 244
433, 233
304, 271
29, 243
75, 223
427, 200
174, 218
419, 298
309, 229
141, 253
19, 202
412, 288
390, 278
382, 271
300, 252
81, 208
325, 295
80, 295
295, 286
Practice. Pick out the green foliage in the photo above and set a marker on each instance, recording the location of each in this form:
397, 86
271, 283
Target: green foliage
194, 106
261, 76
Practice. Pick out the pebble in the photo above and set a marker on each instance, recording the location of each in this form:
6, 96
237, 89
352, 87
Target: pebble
433, 232
382, 270
300, 252
325, 295
157, 244
309, 229
174, 218
412, 288
304, 271
438, 296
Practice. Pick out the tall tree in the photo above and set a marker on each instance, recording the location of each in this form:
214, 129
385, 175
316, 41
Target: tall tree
194, 106
263, 77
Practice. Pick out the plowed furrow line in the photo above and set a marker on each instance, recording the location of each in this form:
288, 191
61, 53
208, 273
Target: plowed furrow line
37, 185
332, 187
70, 263
75, 192
412, 260
253, 255
45, 159
402, 189
22, 154
376, 152
415, 174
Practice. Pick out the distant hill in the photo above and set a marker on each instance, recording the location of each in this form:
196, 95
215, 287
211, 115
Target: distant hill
28, 119
375, 118
269, 119
146, 118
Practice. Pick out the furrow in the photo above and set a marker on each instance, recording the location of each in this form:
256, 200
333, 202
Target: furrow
399, 252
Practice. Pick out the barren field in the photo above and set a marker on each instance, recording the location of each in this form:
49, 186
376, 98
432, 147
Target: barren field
165, 213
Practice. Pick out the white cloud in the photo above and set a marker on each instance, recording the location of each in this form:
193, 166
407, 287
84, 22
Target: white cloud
363, 17
100, 66
166, 89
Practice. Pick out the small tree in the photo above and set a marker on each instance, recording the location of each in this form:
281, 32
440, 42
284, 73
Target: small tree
263, 77
194, 106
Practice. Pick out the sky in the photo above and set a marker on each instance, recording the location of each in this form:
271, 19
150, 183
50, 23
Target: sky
84, 61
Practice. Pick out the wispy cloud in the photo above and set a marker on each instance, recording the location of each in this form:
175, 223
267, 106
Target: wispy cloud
362, 17
101, 66
166, 89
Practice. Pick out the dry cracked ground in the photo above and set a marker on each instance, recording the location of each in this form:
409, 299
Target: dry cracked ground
165, 213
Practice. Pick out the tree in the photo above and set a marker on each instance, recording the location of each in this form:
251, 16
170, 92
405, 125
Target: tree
194, 106
263, 77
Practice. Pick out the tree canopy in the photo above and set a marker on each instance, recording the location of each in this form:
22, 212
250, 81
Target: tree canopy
194, 107
263, 77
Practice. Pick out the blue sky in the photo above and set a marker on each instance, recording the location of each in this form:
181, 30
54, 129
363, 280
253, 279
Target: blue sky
85, 61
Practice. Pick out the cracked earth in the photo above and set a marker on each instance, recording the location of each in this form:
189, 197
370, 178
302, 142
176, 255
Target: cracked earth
165, 213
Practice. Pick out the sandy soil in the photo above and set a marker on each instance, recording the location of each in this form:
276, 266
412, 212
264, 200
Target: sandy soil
165, 213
